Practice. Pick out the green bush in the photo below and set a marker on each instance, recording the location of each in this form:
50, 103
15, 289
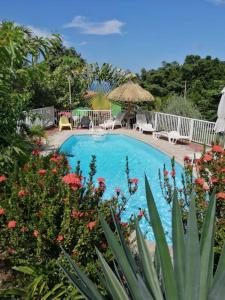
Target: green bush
189, 275
44, 206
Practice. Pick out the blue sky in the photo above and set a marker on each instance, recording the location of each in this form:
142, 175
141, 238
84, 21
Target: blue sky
127, 33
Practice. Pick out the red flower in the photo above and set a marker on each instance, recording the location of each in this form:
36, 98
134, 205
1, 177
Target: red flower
141, 213
207, 157
54, 171
124, 224
214, 180
200, 181
187, 158
35, 152
60, 238
71, 178
11, 224
165, 172
22, 193
35, 233
24, 229
173, 173
117, 190
222, 170
220, 195
91, 225
2, 211
74, 213
101, 180
2, 178
42, 172
217, 148
134, 180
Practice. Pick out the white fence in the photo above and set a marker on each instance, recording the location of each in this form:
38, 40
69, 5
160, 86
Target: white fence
96, 116
199, 131
41, 116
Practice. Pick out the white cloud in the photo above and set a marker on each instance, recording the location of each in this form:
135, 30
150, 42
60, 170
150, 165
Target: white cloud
82, 43
96, 28
39, 32
217, 2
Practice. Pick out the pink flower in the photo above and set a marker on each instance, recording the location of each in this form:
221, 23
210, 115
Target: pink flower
2, 178
173, 173
117, 190
101, 180
200, 181
207, 157
42, 172
54, 171
11, 224
60, 238
134, 180
91, 225
220, 195
165, 172
71, 178
217, 148
35, 152
35, 233
24, 229
2, 211
141, 213
22, 193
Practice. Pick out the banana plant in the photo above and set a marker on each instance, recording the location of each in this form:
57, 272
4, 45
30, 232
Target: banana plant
187, 275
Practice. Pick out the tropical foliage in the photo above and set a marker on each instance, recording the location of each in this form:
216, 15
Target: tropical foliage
190, 276
44, 206
201, 177
199, 79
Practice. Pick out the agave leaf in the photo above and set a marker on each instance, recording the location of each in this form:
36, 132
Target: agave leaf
165, 259
147, 265
115, 288
207, 240
88, 287
143, 289
218, 290
124, 245
220, 266
178, 246
192, 256
122, 260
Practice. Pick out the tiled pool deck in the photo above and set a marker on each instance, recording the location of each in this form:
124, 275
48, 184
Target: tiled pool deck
56, 138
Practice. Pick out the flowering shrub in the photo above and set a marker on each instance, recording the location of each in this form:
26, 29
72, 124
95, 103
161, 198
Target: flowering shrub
43, 206
201, 177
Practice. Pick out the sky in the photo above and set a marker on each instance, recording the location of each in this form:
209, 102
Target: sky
130, 34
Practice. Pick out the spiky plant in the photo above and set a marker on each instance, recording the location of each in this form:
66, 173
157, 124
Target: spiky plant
188, 276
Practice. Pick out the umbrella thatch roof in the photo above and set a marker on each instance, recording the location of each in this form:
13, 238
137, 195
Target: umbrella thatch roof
90, 94
130, 92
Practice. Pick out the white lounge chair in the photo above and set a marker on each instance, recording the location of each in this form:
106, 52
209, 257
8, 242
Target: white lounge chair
140, 120
146, 127
111, 124
173, 136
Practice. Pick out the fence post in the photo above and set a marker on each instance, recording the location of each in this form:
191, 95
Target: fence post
156, 120
191, 128
178, 124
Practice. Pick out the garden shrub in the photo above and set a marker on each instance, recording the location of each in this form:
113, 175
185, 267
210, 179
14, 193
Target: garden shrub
43, 206
201, 177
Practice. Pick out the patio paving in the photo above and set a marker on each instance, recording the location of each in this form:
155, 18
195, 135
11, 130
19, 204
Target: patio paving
56, 138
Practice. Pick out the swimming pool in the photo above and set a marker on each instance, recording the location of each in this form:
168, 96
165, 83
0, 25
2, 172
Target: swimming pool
111, 151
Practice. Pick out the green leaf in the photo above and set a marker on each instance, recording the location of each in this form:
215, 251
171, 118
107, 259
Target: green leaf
84, 284
218, 290
165, 259
220, 266
116, 289
25, 270
147, 265
206, 245
178, 246
122, 260
192, 256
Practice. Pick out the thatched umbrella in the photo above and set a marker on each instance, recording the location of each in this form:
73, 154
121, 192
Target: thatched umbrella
130, 92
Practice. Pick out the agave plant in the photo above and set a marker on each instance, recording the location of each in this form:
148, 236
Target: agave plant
188, 275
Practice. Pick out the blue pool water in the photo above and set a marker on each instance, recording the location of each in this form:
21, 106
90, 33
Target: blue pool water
111, 152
